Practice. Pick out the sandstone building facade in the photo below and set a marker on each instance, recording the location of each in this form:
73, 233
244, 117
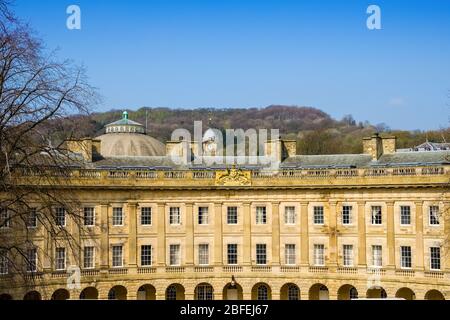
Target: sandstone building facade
369, 225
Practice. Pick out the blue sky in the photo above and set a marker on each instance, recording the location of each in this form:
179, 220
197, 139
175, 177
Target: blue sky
253, 53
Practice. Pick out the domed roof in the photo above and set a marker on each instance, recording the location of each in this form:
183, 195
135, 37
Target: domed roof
211, 135
127, 138
130, 144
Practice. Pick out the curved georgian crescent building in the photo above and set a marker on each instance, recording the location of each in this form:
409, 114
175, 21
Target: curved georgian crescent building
369, 225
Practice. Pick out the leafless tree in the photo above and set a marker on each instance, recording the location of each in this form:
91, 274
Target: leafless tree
36, 91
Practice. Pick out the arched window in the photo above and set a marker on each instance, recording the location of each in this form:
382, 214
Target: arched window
171, 293
204, 292
262, 293
112, 294
293, 292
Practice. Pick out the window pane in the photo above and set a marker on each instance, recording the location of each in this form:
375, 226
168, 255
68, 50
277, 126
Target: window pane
435, 258
203, 254
318, 215
319, 259
146, 216
117, 216
174, 254
346, 214
232, 253
377, 260
434, 215
174, 215
32, 218
290, 253
405, 215
348, 255
405, 254
60, 258
88, 216
146, 255
261, 215
88, 257
117, 256
376, 215
60, 217
289, 215
261, 256
203, 215
232, 215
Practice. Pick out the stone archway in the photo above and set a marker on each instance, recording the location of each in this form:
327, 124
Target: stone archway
117, 293
434, 295
175, 292
232, 292
376, 293
290, 291
347, 292
261, 291
319, 292
146, 292
61, 294
89, 293
32, 295
405, 293
204, 291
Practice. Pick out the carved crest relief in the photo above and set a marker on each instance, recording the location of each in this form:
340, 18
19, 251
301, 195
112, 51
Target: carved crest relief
233, 177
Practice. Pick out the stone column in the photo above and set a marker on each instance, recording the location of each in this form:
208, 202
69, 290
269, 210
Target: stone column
247, 245
390, 234
333, 234
304, 238
362, 256
104, 237
419, 236
275, 234
218, 247
132, 235
189, 235
161, 227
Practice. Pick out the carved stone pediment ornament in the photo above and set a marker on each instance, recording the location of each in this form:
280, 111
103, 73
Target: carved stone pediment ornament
233, 177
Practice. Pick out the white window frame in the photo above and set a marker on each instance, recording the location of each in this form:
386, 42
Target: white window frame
175, 216
93, 216
203, 215
115, 217
261, 215
377, 256
290, 254
433, 215
403, 210
375, 213
261, 254
175, 254
203, 254
290, 215
146, 214
33, 213
318, 215
347, 255
232, 251
58, 216
115, 258
146, 253
232, 217
60, 259
405, 258
319, 254
91, 258
347, 214
433, 258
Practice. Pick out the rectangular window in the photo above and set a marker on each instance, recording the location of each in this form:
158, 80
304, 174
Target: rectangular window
60, 217
376, 215
31, 260
261, 215
435, 258
232, 253
4, 218
146, 255
174, 215
405, 256
146, 216
348, 255
4, 262
117, 256
347, 214
203, 215
117, 216
88, 258
289, 215
261, 254
319, 254
174, 254
405, 215
377, 256
318, 215
32, 218
434, 215
89, 216
60, 259
232, 217
289, 253
203, 254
